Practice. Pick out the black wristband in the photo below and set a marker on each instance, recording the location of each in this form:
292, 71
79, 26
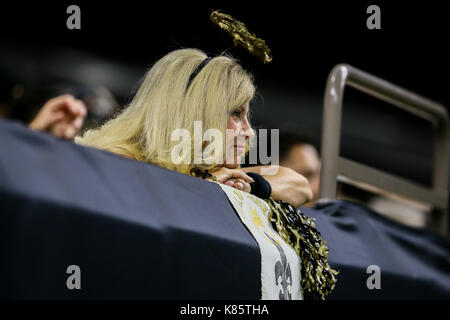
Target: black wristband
261, 187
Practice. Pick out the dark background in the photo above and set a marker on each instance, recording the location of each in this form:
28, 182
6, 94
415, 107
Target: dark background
118, 41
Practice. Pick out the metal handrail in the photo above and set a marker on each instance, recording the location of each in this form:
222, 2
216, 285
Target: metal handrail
334, 166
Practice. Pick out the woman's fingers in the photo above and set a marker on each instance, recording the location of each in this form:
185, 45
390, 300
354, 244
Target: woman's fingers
238, 184
238, 174
224, 174
235, 184
229, 183
245, 186
242, 185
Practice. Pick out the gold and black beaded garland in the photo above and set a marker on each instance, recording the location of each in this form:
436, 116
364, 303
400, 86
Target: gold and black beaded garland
299, 231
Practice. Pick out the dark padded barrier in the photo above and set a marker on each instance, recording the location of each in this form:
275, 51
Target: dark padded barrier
414, 263
137, 231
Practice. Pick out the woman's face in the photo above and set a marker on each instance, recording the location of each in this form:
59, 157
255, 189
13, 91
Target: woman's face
239, 132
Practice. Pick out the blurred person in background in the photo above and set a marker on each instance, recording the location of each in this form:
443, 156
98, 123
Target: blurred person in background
298, 152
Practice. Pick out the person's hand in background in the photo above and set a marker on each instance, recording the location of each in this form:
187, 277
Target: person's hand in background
61, 116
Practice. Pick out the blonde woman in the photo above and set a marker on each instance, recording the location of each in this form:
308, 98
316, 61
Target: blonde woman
186, 88
218, 97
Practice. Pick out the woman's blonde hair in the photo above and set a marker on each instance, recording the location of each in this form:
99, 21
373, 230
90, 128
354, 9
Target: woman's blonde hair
163, 103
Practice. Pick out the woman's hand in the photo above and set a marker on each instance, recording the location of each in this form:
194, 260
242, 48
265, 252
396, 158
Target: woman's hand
239, 184
62, 116
235, 178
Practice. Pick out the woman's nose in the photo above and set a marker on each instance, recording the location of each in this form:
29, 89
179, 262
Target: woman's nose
247, 130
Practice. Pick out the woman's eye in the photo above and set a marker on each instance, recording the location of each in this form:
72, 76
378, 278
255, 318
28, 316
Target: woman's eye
236, 113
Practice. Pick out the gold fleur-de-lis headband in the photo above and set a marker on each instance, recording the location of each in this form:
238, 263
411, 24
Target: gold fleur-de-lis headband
241, 37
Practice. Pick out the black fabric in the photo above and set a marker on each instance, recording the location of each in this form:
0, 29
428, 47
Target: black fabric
140, 231
414, 263
135, 230
261, 187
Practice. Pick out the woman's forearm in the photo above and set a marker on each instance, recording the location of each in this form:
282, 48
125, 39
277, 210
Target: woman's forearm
287, 185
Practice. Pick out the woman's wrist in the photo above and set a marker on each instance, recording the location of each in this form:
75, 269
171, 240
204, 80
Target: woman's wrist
261, 187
